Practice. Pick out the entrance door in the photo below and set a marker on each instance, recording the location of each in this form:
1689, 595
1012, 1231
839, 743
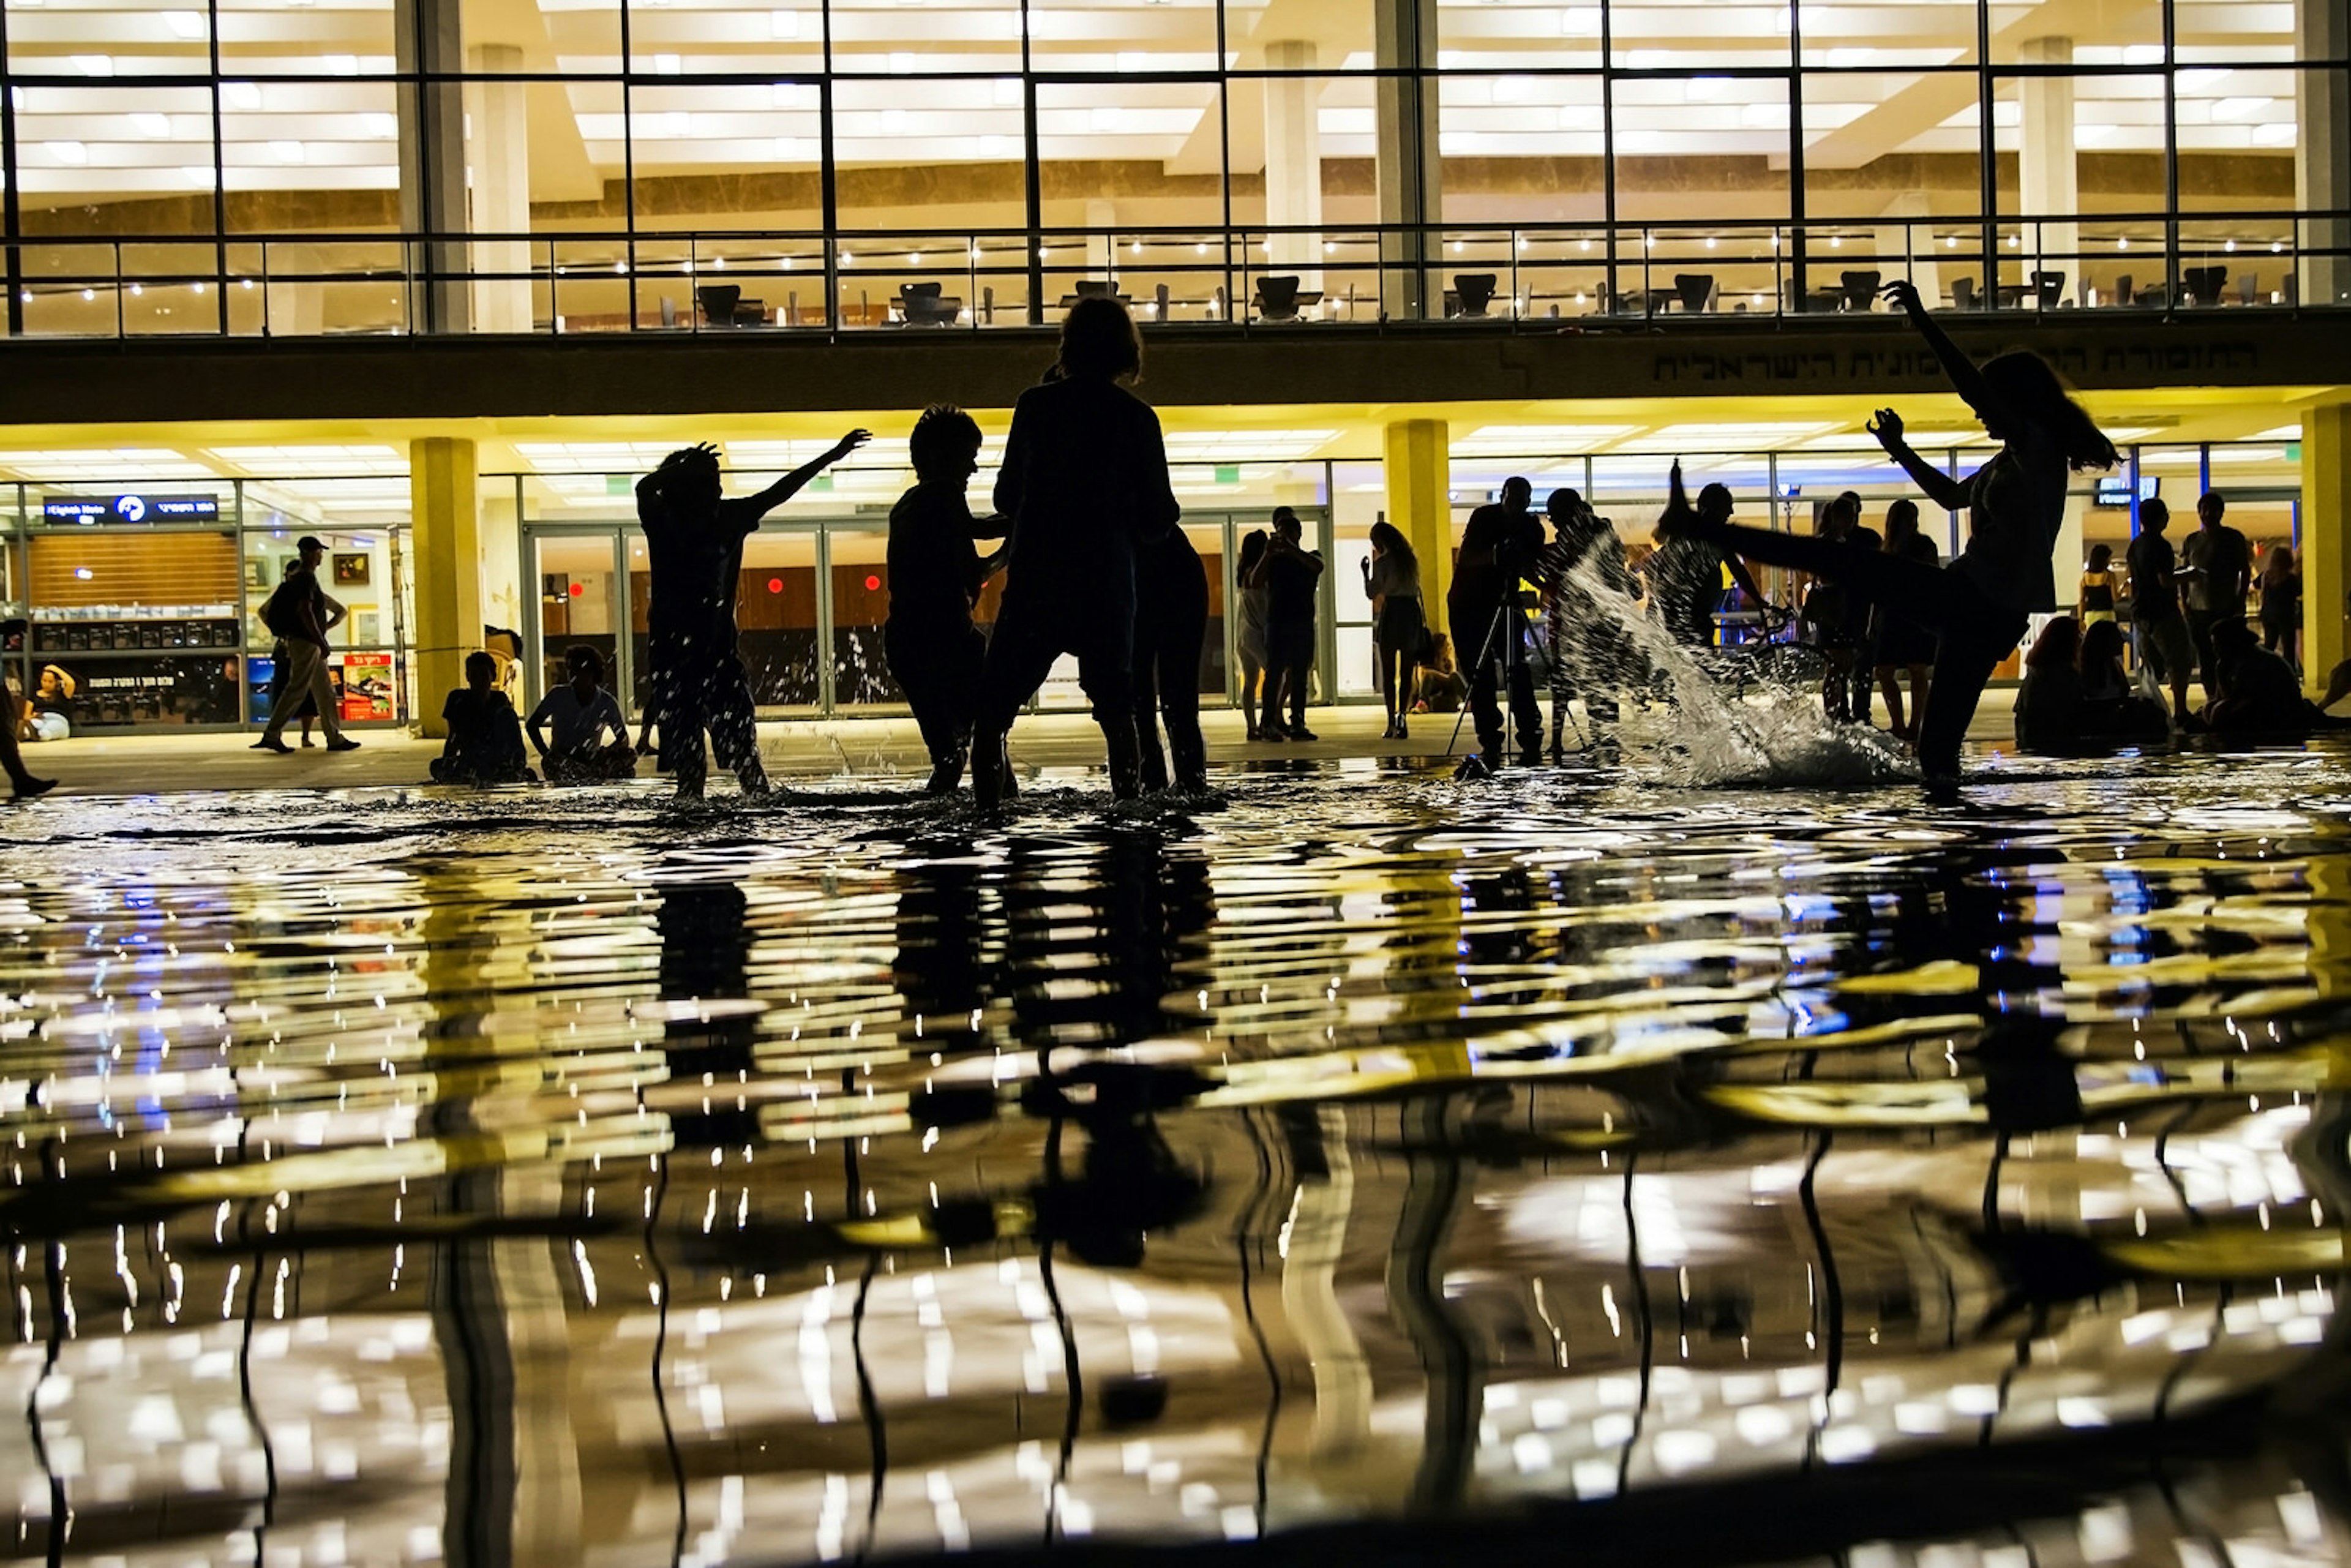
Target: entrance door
582, 575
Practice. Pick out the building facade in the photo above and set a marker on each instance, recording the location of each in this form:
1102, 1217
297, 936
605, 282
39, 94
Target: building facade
436, 282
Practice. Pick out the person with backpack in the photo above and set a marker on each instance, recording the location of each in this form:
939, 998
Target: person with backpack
298, 616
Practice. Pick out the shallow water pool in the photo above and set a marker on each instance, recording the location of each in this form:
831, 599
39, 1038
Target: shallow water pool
1361, 1162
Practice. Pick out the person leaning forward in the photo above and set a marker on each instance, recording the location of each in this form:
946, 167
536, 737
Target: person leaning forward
297, 612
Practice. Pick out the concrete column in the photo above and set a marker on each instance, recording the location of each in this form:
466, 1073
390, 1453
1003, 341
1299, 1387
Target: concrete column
427, 37
442, 486
1418, 467
2325, 533
498, 172
1293, 161
2046, 181
2322, 147
1309, 1297
1408, 169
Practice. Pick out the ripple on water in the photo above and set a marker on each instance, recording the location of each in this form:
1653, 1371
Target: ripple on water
853, 1174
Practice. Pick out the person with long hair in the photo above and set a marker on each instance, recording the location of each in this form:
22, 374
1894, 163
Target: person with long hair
2049, 702
1978, 605
1392, 582
1251, 636
1171, 626
1902, 643
2093, 599
1084, 484
2282, 605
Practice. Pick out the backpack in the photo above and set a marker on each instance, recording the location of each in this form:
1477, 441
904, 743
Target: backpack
278, 612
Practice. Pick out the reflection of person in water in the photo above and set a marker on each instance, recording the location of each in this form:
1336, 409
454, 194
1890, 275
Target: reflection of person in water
694, 537
705, 955
1977, 606
936, 652
1085, 485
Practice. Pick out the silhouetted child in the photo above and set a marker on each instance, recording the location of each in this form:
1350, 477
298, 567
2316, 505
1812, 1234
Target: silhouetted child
935, 573
694, 539
581, 712
484, 744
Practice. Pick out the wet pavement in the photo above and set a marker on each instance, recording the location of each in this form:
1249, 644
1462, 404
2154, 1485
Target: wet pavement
1357, 1162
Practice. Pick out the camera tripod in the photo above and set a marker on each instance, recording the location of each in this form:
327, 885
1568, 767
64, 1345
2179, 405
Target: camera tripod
1504, 649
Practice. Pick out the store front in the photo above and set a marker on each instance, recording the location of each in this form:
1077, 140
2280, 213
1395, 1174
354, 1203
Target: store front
139, 611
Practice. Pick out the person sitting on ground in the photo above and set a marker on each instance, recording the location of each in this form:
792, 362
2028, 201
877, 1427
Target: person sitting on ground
2049, 703
581, 712
1441, 687
484, 744
2259, 694
48, 712
2112, 708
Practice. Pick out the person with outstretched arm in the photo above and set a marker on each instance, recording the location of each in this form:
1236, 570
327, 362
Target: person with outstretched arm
1977, 605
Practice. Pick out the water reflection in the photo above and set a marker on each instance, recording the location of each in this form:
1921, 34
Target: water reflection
1750, 1177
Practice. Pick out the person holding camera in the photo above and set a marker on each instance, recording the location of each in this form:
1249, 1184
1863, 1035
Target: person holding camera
1500, 545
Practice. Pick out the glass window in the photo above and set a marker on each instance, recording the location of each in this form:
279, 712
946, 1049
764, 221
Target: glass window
109, 38
1659, 35
1886, 33
885, 37
1701, 147
1517, 35
1522, 149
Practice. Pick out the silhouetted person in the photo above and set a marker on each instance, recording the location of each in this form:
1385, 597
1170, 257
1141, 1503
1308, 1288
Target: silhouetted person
298, 612
21, 781
1392, 582
1500, 543
304, 706
1978, 605
1902, 643
1171, 627
1591, 654
935, 575
484, 744
2095, 597
706, 953
1248, 638
1290, 575
2217, 565
2282, 604
2165, 649
2049, 700
2112, 710
694, 541
2259, 694
581, 714
1861, 673
1686, 575
1085, 486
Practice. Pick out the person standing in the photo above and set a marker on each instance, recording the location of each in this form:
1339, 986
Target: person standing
2217, 562
694, 541
2282, 605
2166, 651
1980, 604
1171, 626
297, 612
1250, 640
2094, 600
936, 571
1591, 654
1901, 643
1290, 574
1684, 575
1860, 622
15, 714
1500, 544
1084, 485
1392, 582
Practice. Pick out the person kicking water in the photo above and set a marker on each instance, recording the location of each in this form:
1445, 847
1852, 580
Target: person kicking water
1977, 605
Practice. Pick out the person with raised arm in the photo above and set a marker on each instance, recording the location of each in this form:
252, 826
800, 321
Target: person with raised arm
694, 540
1977, 605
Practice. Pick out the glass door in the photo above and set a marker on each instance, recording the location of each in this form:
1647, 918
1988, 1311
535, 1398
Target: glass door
585, 590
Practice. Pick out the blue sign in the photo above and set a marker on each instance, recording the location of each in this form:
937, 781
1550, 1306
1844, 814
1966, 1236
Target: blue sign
93, 510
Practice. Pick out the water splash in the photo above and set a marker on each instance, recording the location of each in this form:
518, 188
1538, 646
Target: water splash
1710, 733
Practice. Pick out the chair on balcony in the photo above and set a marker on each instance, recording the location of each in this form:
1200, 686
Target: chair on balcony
1858, 290
1696, 290
1086, 287
723, 305
922, 304
2249, 289
1277, 298
2049, 289
1472, 292
2123, 295
1963, 294
2203, 284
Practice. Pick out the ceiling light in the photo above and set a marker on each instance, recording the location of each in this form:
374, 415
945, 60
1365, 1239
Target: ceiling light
893, 122
2092, 133
155, 125
343, 64
2275, 133
2239, 108
94, 65
184, 23
667, 65
2142, 54
783, 24
288, 151
1580, 21
240, 95
72, 153
1705, 87
1105, 117
382, 126
2193, 82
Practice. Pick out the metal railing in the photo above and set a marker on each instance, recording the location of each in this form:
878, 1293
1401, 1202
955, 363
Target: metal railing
358, 283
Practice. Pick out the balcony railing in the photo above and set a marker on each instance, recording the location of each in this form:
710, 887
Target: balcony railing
336, 283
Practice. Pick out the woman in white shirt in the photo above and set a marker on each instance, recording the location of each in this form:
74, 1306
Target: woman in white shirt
1392, 582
